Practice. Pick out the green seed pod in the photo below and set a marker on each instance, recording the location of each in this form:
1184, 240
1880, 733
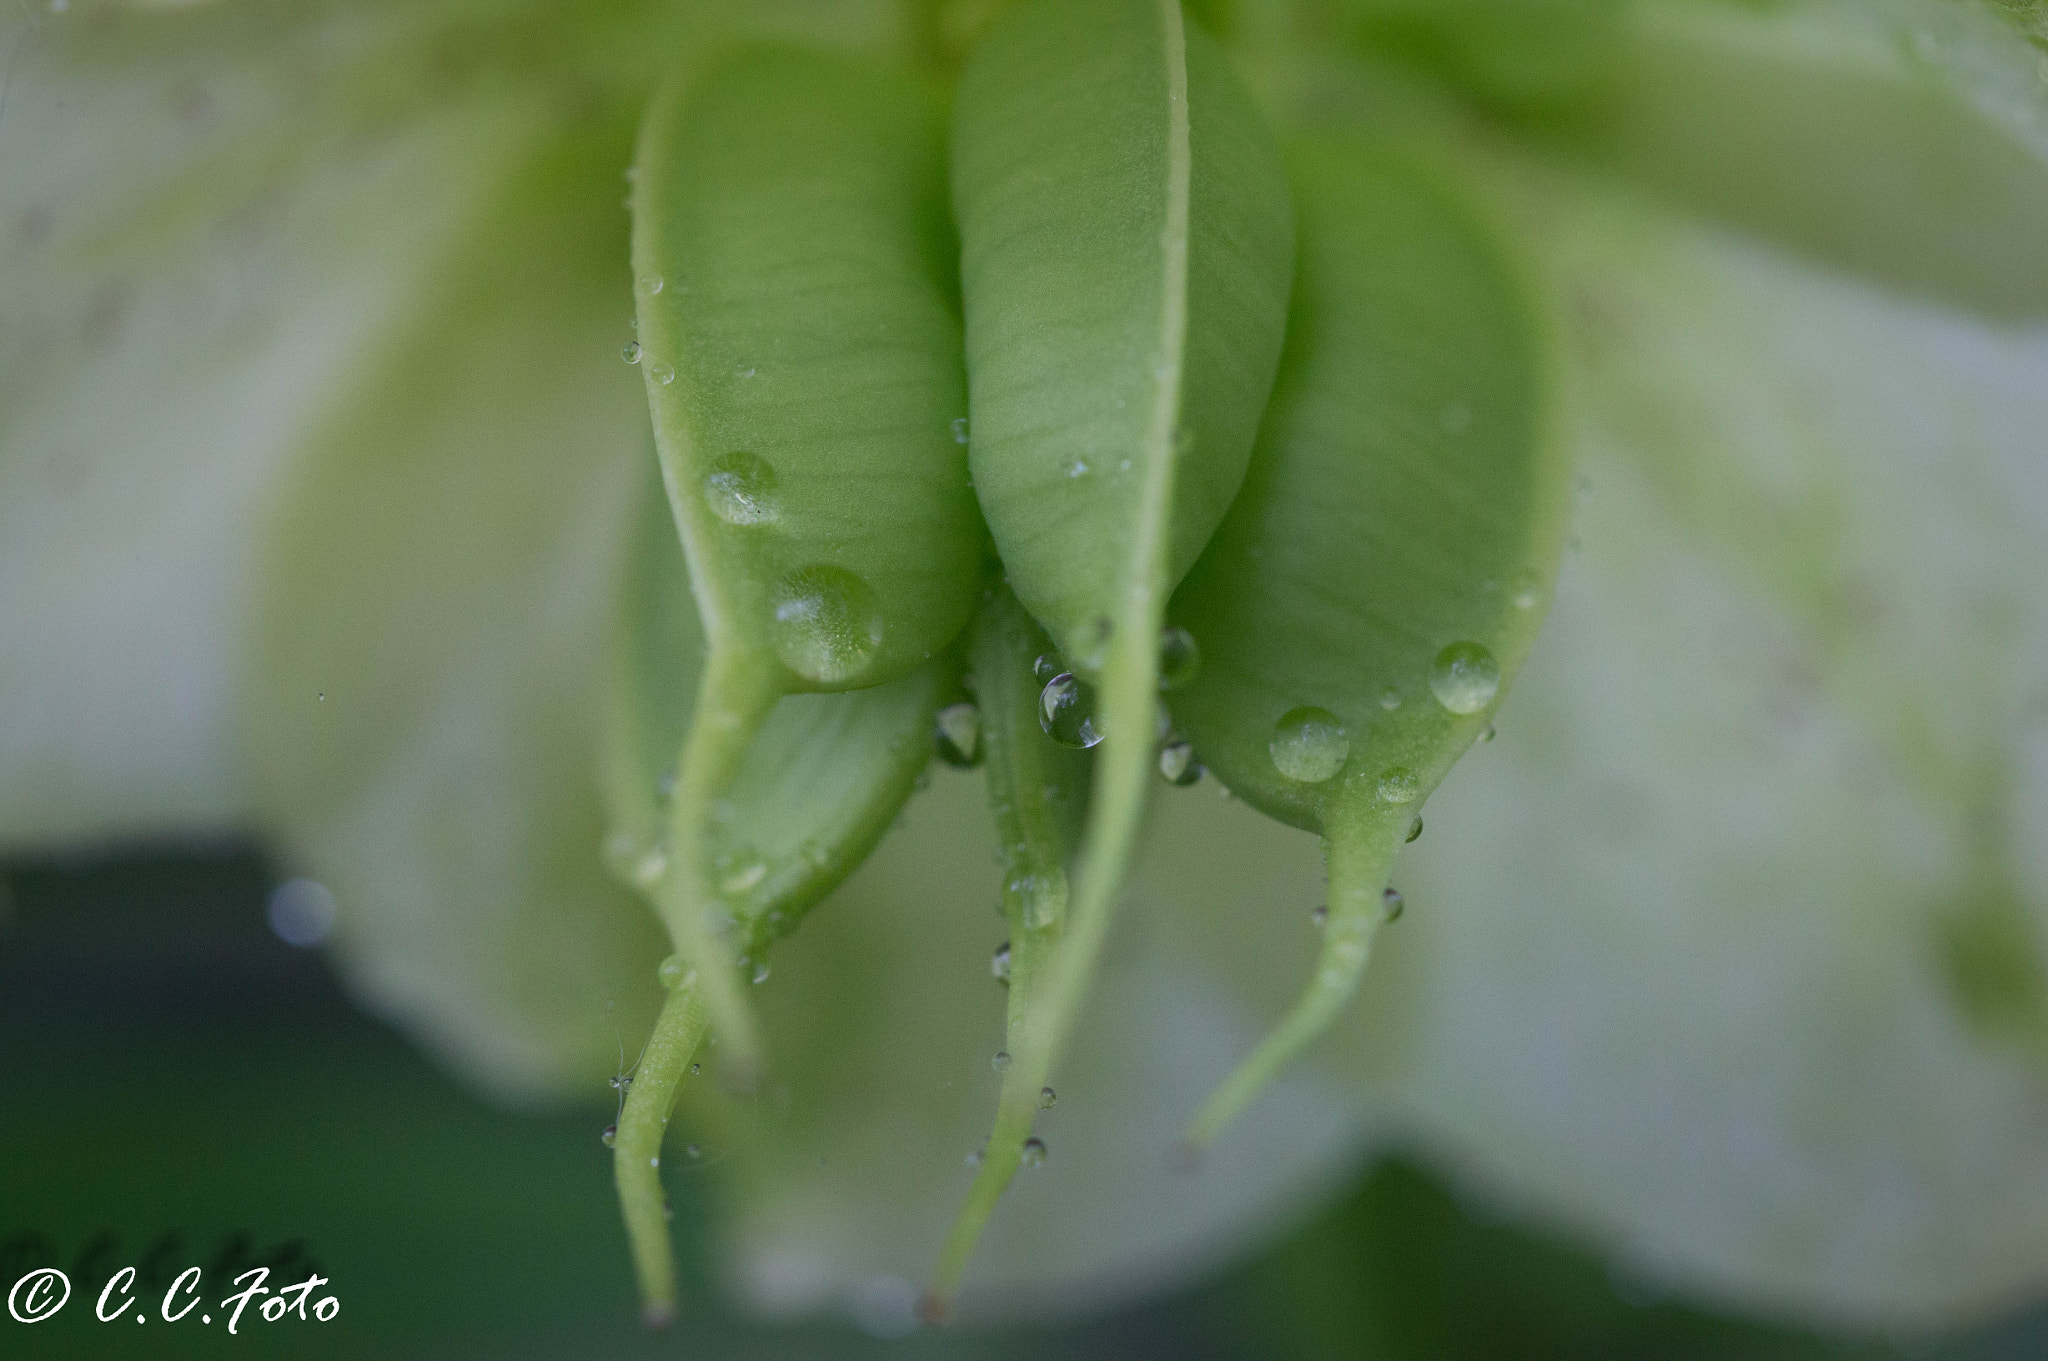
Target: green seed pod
1126, 245
1383, 573
801, 345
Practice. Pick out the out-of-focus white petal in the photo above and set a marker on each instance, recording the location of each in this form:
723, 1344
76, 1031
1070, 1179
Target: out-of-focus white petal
198, 228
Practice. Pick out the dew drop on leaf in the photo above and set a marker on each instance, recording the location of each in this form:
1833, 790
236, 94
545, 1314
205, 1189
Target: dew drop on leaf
1046, 1098
999, 963
1066, 710
1177, 764
1399, 785
959, 736
1180, 657
740, 488
610, 1136
1001, 1061
827, 626
1309, 744
630, 352
1464, 678
1034, 1152
1390, 904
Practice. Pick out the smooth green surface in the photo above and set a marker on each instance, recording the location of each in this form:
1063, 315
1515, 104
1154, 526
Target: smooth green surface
1383, 572
790, 209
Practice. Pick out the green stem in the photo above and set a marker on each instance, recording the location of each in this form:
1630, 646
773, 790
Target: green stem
636, 1151
1359, 847
734, 697
1023, 768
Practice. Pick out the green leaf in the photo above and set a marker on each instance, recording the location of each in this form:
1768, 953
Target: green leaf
1378, 581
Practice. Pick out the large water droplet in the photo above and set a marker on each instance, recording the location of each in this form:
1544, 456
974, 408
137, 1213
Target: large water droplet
741, 490
1034, 1152
827, 627
959, 736
1180, 657
1309, 744
1177, 764
1399, 785
1464, 678
1066, 710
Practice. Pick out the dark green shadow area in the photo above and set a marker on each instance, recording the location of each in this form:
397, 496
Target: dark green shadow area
179, 1088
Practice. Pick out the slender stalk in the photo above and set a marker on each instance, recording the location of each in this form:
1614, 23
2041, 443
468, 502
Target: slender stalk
1023, 767
1359, 847
1130, 680
636, 1151
734, 698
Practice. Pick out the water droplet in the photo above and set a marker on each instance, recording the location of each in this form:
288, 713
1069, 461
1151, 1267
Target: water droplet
959, 430
959, 736
1488, 735
670, 972
1320, 915
975, 1158
652, 284
741, 490
1034, 1152
1046, 667
1464, 678
1390, 904
1066, 710
695, 1069
761, 972
663, 374
1309, 744
1046, 1098
649, 868
630, 352
622, 1083
748, 372
1180, 657
610, 1137
827, 627
694, 1150
1077, 469
1398, 785
301, 912
999, 963
1528, 589
742, 872
1390, 699
1001, 1060
1414, 831
1177, 764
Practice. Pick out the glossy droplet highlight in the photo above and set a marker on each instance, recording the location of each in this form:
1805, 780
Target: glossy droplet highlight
1046, 1098
1034, 1152
1001, 1061
1390, 904
741, 490
959, 736
662, 374
1180, 657
630, 352
1046, 667
999, 963
1414, 831
827, 626
1309, 745
610, 1136
1177, 764
1399, 785
670, 972
1464, 678
1066, 710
